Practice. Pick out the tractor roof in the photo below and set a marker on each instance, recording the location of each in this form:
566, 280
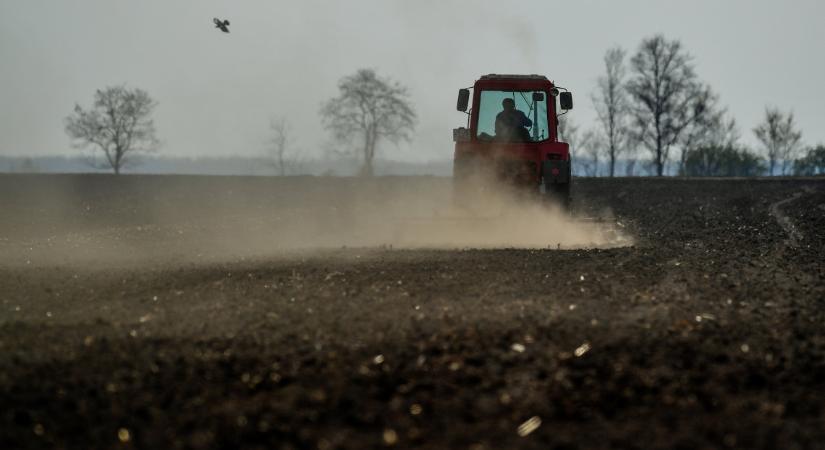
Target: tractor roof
497, 76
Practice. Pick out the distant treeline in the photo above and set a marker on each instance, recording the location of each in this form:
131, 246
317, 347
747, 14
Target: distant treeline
262, 166
701, 162
222, 165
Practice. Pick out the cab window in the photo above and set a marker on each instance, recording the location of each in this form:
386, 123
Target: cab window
512, 116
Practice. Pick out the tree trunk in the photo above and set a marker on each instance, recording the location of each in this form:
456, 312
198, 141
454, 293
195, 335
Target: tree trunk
659, 150
369, 153
366, 169
659, 163
612, 160
118, 159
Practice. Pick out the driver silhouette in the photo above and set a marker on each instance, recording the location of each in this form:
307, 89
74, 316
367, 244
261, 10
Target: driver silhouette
511, 123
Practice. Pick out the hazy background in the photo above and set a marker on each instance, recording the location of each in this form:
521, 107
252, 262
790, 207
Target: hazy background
217, 91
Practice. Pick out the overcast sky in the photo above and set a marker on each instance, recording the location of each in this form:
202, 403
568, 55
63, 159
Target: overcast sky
217, 92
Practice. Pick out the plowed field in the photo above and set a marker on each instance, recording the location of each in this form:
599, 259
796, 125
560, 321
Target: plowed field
261, 313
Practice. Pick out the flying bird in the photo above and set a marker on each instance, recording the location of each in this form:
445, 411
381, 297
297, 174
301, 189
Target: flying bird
223, 25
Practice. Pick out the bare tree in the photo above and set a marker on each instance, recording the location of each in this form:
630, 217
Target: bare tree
585, 147
118, 124
666, 96
611, 103
705, 127
369, 108
779, 137
714, 129
812, 163
724, 132
279, 144
591, 148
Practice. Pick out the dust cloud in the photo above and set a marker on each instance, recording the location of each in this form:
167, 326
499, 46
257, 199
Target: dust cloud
494, 217
103, 220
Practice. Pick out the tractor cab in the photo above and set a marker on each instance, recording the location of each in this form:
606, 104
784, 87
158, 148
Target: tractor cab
512, 131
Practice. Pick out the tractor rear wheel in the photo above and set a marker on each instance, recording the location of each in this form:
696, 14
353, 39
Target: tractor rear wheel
557, 194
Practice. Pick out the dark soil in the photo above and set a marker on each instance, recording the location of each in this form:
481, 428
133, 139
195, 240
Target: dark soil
707, 333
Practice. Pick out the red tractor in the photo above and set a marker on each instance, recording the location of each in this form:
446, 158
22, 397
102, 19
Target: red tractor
512, 137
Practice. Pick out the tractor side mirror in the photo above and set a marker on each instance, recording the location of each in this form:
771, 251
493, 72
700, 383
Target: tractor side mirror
463, 100
566, 101
538, 96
